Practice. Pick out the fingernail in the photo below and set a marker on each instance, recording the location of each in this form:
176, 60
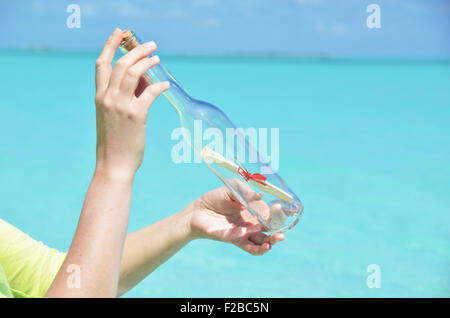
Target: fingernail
150, 45
116, 31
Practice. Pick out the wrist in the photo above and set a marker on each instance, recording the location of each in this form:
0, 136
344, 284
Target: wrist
190, 232
196, 230
114, 174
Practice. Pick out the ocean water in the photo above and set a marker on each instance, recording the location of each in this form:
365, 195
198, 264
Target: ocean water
365, 144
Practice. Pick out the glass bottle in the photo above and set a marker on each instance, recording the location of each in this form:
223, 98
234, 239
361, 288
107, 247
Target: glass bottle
253, 182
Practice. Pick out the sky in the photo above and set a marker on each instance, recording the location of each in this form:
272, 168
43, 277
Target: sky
326, 28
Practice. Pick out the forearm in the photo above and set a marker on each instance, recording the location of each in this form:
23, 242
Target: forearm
98, 242
151, 246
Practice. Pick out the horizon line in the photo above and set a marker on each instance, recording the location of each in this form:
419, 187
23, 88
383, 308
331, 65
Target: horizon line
249, 55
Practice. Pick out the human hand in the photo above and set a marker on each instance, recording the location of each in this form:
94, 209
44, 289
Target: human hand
218, 215
122, 104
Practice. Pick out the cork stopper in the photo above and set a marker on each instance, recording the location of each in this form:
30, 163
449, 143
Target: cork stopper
129, 41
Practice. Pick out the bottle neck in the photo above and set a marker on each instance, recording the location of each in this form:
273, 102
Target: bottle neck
176, 95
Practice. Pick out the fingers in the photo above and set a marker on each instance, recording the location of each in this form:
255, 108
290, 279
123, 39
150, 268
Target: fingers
275, 238
134, 74
150, 94
230, 203
255, 249
129, 59
259, 243
259, 238
244, 189
144, 81
277, 214
103, 63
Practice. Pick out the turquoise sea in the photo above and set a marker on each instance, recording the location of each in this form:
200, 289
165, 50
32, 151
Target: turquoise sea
364, 143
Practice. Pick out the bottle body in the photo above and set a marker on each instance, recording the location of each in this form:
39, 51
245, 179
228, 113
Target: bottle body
230, 155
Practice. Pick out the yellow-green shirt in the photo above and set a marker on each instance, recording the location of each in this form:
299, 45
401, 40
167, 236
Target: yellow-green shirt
27, 267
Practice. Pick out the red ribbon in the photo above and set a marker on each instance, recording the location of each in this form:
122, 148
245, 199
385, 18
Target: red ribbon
257, 177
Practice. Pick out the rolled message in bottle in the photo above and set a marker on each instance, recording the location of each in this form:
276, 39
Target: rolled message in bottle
209, 154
